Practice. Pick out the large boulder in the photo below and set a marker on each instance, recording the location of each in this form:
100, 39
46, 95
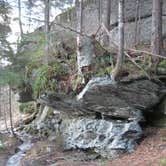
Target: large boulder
121, 101
107, 138
106, 116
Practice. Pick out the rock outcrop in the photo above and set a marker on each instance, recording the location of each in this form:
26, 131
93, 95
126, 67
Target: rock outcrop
108, 138
105, 117
91, 20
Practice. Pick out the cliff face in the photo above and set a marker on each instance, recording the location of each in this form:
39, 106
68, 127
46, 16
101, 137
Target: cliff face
91, 19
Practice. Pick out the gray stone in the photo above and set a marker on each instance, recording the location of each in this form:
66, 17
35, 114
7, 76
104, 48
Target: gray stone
108, 138
91, 20
118, 107
120, 101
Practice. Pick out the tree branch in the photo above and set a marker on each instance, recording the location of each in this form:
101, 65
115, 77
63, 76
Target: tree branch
130, 58
131, 49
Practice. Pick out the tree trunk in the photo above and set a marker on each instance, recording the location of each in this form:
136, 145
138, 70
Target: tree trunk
100, 18
156, 38
19, 17
79, 11
10, 110
136, 22
1, 102
46, 29
107, 22
119, 62
99, 11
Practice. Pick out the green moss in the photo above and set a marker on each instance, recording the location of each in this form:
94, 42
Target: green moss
27, 107
75, 82
2, 146
104, 71
49, 113
163, 63
46, 78
163, 162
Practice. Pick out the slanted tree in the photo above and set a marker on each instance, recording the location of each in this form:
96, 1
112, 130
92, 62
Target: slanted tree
119, 63
156, 38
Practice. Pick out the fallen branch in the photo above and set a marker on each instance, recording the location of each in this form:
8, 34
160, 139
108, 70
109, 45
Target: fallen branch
146, 52
61, 25
97, 30
71, 29
130, 58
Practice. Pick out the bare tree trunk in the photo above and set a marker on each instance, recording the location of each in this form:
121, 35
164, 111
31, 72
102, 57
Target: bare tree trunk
46, 29
79, 10
29, 20
136, 22
1, 101
5, 103
119, 62
100, 17
19, 17
156, 38
107, 22
5, 117
99, 11
10, 110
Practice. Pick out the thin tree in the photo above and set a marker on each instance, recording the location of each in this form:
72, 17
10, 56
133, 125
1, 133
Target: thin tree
99, 11
107, 22
19, 18
46, 29
5, 109
100, 17
119, 62
136, 22
79, 11
156, 38
1, 101
10, 110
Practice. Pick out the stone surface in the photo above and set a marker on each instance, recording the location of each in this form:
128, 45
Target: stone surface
91, 20
101, 96
157, 118
108, 138
123, 100
105, 116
